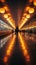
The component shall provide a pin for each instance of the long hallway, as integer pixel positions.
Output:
(18, 32)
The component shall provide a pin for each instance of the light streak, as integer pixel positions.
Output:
(4, 25)
(24, 47)
(25, 28)
(9, 48)
(3, 41)
(26, 16)
(8, 17)
(29, 26)
(23, 21)
(10, 21)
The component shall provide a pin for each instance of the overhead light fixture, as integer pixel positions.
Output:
(27, 8)
(31, 10)
(6, 8)
(28, 16)
(2, 10)
(34, 2)
(5, 15)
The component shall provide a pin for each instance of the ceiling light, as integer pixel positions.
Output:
(31, 10)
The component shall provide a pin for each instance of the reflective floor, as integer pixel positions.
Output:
(17, 56)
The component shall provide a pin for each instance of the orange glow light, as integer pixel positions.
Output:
(24, 14)
(2, 0)
(5, 15)
(9, 48)
(31, 10)
(11, 45)
(34, 2)
(30, 1)
(9, 14)
(11, 22)
(6, 8)
(28, 16)
(5, 59)
(27, 8)
(23, 21)
(23, 46)
(2, 10)
(9, 17)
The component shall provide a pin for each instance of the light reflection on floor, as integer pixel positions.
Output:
(4, 41)
(30, 42)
